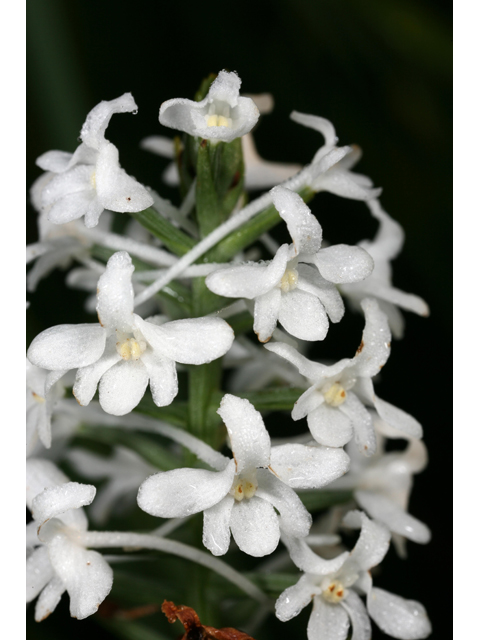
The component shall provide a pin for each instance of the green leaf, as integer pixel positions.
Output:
(276, 399)
(175, 414)
(317, 500)
(241, 322)
(208, 205)
(273, 583)
(173, 238)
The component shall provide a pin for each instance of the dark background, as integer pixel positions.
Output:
(381, 72)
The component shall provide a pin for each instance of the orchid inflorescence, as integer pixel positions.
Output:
(182, 292)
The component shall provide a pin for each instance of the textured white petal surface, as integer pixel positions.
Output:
(303, 467)
(87, 378)
(216, 526)
(294, 599)
(397, 617)
(254, 526)
(362, 424)
(342, 263)
(302, 225)
(322, 125)
(56, 161)
(71, 207)
(303, 316)
(248, 436)
(39, 572)
(249, 280)
(162, 374)
(181, 492)
(346, 185)
(266, 312)
(308, 402)
(398, 418)
(56, 500)
(93, 129)
(361, 627)
(312, 282)
(76, 180)
(190, 341)
(41, 474)
(306, 560)
(294, 518)
(122, 387)
(329, 426)
(393, 516)
(327, 621)
(115, 293)
(374, 349)
(67, 346)
(373, 543)
(307, 368)
(49, 598)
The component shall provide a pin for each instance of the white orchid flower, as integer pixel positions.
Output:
(43, 392)
(91, 179)
(382, 484)
(335, 404)
(299, 296)
(222, 115)
(242, 497)
(335, 585)
(58, 560)
(338, 179)
(386, 246)
(123, 353)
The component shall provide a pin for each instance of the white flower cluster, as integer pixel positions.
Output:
(255, 494)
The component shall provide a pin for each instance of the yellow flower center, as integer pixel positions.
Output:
(244, 487)
(335, 395)
(334, 592)
(131, 349)
(289, 280)
(93, 180)
(216, 119)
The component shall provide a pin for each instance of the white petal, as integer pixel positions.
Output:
(408, 301)
(248, 436)
(308, 402)
(181, 492)
(122, 387)
(327, 621)
(397, 617)
(54, 501)
(343, 263)
(93, 129)
(309, 369)
(303, 467)
(67, 346)
(71, 207)
(306, 560)
(41, 474)
(311, 281)
(86, 575)
(393, 516)
(398, 418)
(76, 180)
(329, 426)
(39, 572)
(189, 341)
(160, 145)
(303, 316)
(115, 293)
(294, 599)
(162, 374)
(294, 518)
(216, 526)
(361, 627)
(56, 161)
(302, 225)
(374, 349)
(373, 543)
(93, 212)
(254, 526)
(344, 184)
(362, 424)
(266, 312)
(87, 378)
(324, 126)
(49, 598)
(249, 280)
(116, 190)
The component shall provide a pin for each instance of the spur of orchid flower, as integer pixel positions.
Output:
(222, 115)
(335, 404)
(243, 496)
(335, 587)
(90, 180)
(300, 296)
(57, 560)
(123, 353)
